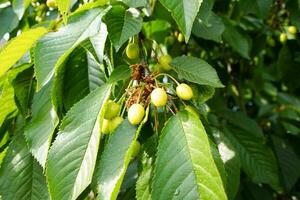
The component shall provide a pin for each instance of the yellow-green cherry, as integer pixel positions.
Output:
(114, 123)
(164, 62)
(51, 3)
(136, 113)
(135, 149)
(184, 91)
(159, 97)
(292, 30)
(132, 51)
(112, 110)
(283, 37)
(105, 126)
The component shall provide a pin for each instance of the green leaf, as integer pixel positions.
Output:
(288, 68)
(21, 177)
(16, 48)
(231, 162)
(196, 70)
(157, 30)
(238, 40)
(7, 100)
(96, 74)
(257, 159)
(20, 6)
(9, 20)
(289, 162)
(242, 121)
(76, 83)
(121, 25)
(120, 73)
(135, 3)
(184, 12)
(53, 49)
(212, 30)
(115, 160)
(293, 8)
(260, 8)
(143, 184)
(82, 74)
(202, 93)
(24, 89)
(42, 124)
(98, 42)
(185, 167)
(205, 10)
(72, 157)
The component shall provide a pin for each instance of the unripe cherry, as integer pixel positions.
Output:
(133, 51)
(114, 123)
(184, 91)
(105, 126)
(164, 62)
(112, 110)
(159, 97)
(136, 113)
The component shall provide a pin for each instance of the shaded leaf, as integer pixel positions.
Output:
(21, 177)
(289, 162)
(184, 13)
(231, 162)
(121, 25)
(236, 39)
(212, 30)
(9, 21)
(39, 130)
(120, 73)
(257, 159)
(7, 100)
(24, 89)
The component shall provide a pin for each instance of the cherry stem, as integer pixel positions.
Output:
(171, 110)
(168, 75)
(173, 104)
(155, 120)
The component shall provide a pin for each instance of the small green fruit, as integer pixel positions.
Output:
(283, 37)
(270, 41)
(133, 51)
(112, 110)
(170, 40)
(159, 97)
(135, 149)
(105, 126)
(292, 30)
(136, 113)
(184, 91)
(115, 122)
(164, 62)
(154, 67)
(51, 3)
(180, 37)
